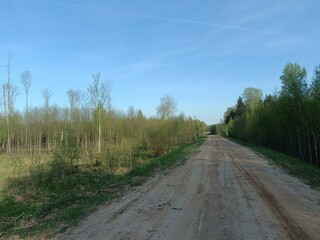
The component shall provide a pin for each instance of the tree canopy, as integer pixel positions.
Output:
(167, 107)
(288, 121)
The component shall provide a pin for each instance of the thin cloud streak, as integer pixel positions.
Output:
(150, 63)
(140, 15)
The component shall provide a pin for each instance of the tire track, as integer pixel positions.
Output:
(288, 223)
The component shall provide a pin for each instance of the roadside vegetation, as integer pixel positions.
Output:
(285, 126)
(287, 121)
(43, 202)
(58, 163)
(303, 170)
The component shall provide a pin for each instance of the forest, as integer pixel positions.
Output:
(91, 121)
(287, 121)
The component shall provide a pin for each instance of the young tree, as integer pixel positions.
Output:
(252, 98)
(74, 97)
(98, 95)
(167, 107)
(26, 81)
(109, 107)
(47, 94)
(9, 93)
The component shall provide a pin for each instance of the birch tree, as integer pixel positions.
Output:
(47, 94)
(99, 93)
(9, 94)
(26, 81)
(167, 107)
(74, 97)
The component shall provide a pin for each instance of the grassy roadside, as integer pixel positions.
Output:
(307, 172)
(54, 206)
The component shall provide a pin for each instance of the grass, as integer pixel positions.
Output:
(305, 171)
(34, 204)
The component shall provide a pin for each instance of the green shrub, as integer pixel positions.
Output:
(65, 155)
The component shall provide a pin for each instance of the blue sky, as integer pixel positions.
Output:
(203, 53)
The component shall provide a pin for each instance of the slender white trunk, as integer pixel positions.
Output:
(99, 133)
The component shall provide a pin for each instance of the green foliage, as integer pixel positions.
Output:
(67, 150)
(65, 155)
(252, 100)
(287, 121)
(294, 84)
(213, 129)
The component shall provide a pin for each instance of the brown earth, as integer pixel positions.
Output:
(224, 192)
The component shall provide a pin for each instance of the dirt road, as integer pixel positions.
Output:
(224, 192)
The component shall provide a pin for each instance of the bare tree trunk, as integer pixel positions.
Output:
(309, 148)
(8, 110)
(99, 130)
(315, 148)
(40, 142)
(6, 113)
(26, 81)
(8, 138)
(27, 123)
(109, 111)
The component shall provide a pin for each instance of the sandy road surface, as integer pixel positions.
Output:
(224, 192)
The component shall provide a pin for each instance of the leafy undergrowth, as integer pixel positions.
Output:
(55, 204)
(307, 172)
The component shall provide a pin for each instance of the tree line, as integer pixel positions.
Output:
(288, 121)
(90, 122)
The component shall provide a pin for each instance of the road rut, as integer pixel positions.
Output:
(224, 192)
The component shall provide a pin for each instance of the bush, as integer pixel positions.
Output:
(65, 155)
